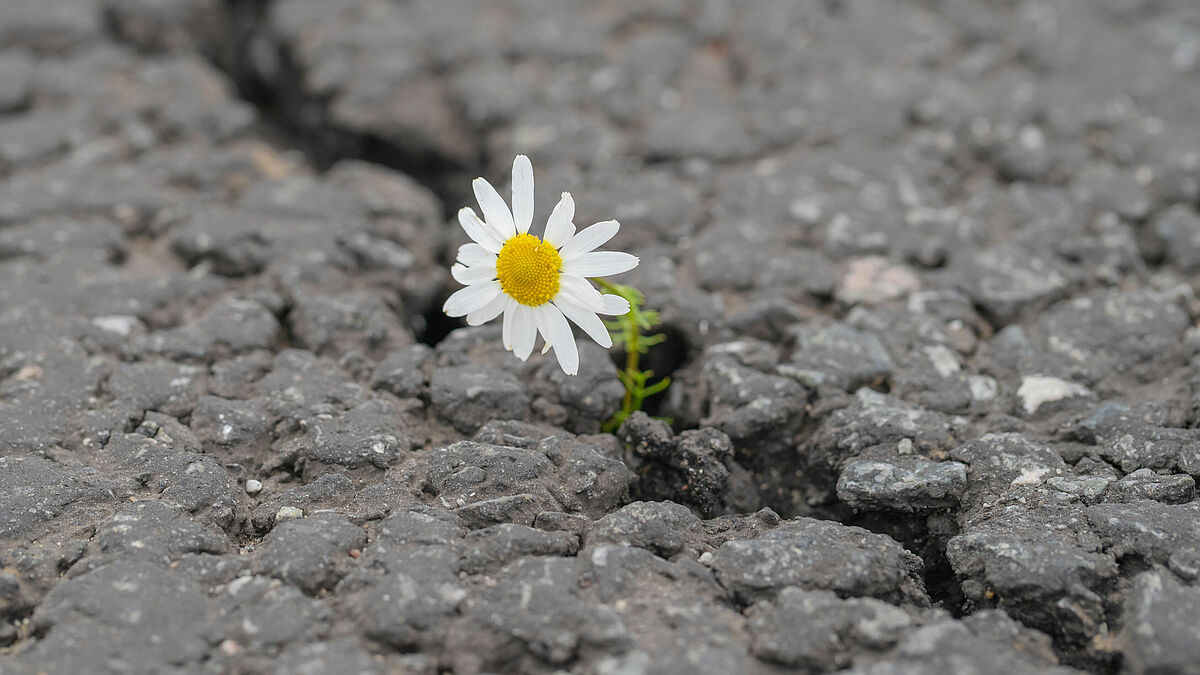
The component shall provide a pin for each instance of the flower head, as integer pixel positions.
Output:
(537, 284)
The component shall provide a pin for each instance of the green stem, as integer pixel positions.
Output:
(631, 349)
(631, 368)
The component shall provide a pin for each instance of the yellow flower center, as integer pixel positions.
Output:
(528, 270)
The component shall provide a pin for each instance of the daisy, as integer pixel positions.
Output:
(537, 284)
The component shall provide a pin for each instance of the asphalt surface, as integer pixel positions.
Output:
(927, 272)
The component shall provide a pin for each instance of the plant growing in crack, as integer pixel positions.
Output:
(537, 285)
(628, 331)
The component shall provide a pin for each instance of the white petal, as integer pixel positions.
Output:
(542, 328)
(559, 228)
(467, 300)
(495, 211)
(522, 193)
(585, 319)
(589, 238)
(506, 334)
(581, 291)
(601, 264)
(473, 254)
(524, 331)
(558, 333)
(614, 305)
(478, 231)
(489, 311)
(476, 274)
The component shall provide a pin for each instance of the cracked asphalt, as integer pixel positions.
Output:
(927, 271)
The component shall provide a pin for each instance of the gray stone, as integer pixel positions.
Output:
(1159, 628)
(590, 480)
(134, 612)
(493, 547)
(1009, 279)
(301, 386)
(231, 327)
(1046, 564)
(237, 431)
(491, 484)
(693, 468)
(663, 528)
(998, 463)
(157, 385)
(403, 372)
(1145, 484)
(197, 483)
(37, 490)
(340, 323)
(838, 355)
(819, 631)
(587, 398)
(369, 434)
(820, 555)
(631, 581)
(45, 238)
(158, 531)
(264, 615)
(421, 525)
(1133, 443)
(988, 643)
(468, 397)
(875, 420)
(328, 491)
(919, 486)
(752, 407)
(311, 553)
(540, 608)
(1150, 532)
(407, 595)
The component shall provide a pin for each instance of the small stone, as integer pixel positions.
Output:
(1087, 488)
(254, 487)
(288, 513)
(1038, 390)
(874, 279)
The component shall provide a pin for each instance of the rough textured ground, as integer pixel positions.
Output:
(927, 270)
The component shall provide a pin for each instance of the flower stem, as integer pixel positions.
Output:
(631, 366)
(627, 331)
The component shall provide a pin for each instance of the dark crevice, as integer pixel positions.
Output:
(663, 359)
(927, 537)
(266, 76)
(435, 325)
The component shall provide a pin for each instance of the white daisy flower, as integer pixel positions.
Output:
(537, 284)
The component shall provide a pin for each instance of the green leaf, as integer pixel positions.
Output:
(657, 387)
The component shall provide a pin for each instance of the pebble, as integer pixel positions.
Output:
(288, 513)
